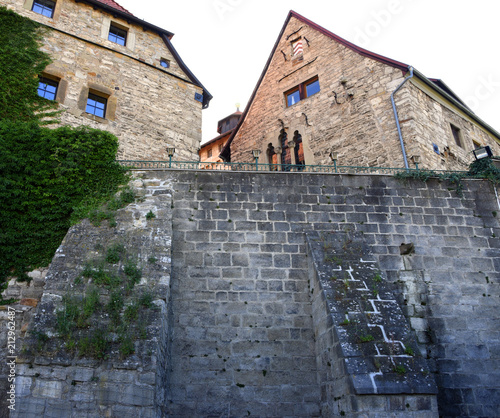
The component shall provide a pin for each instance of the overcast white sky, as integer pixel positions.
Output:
(226, 43)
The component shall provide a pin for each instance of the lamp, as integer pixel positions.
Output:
(482, 152)
(256, 153)
(334, 156)
(170, 153)
(416, 160)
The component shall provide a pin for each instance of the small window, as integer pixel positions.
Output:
(209, 153)
(44, 7)
(47, 88)
(96, 105)
(221, 146)
(302, 91)
(456, 135)
(165, 63)
(117, 35)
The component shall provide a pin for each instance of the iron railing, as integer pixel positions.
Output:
(269, 168)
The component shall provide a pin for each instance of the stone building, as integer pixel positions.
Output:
(209, 152)
(332, 97)
(116, 72)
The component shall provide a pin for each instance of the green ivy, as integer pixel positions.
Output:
(479, 169)
(485, 169)
(49, 179)
(21, 61)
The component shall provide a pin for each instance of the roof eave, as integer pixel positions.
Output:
(206, 94)
(128, 17)
(456, 102)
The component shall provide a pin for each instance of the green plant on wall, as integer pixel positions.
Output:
(51, 178)
(21, 61)
(102, 312)
(479, 169)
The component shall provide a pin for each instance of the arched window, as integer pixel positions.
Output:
(286, 158)
(299, 151)
(272, 158)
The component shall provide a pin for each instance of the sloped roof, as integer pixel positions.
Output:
(115, 9)
(436, 84)
(114, 5)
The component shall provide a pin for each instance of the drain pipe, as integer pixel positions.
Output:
(397, 117)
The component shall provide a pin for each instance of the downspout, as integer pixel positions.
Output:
(397, 117)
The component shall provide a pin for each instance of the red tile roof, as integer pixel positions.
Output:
(114, 5)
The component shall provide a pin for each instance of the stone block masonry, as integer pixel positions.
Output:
(243, 332)
(101, 358)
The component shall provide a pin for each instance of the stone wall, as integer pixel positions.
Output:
(149, 107)
(239, 338)
(106, 365)
(427, 120)
(352, 115)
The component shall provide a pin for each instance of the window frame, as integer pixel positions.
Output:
(48, 82)
(164, 61)
(115, 30)
(102, 99)
(302, 90)
(44, 5)
(456, 133)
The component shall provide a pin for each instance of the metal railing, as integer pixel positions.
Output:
(268, 168)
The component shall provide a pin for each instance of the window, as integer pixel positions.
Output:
(286, 158)
(47, 88)
(302, 91)
(96, 105)
(299, 150)
(44, 7)
(209, 153)
(272, 158)
(221, 146)
(165, 63)
(117, 35)
(456, 135)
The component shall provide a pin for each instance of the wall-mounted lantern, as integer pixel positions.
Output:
(482, 152)
(334, 156)
(256, 154)
(416, 160)
(170, 153)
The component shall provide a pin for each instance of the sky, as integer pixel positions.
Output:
(226, 43)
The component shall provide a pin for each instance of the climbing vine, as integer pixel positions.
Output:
(479, 169)
(21, 61)
(49, 179)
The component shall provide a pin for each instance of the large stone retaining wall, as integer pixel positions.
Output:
(244, 333)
